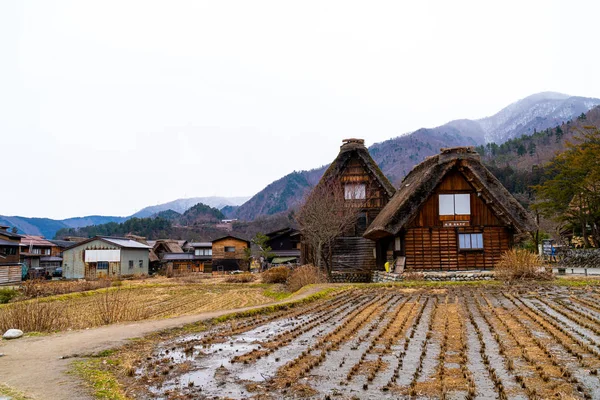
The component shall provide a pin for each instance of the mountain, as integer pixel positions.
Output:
(182, 205)
(397, 156)
(279, 196)
(48, 227)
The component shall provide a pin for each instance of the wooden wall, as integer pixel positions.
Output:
(376, 196)
(219, 253)
(427, 244)
(353, 254)
(429, 214)
(437, 248)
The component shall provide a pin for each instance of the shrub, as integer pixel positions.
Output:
(305, 275)
(34, 316)
(42, 288)
(520, 264)
(276, 275)
(7, 294)
(240, 278)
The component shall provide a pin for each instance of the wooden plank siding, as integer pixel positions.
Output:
(352, 252)
(428, 245)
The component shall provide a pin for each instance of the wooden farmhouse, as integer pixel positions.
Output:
(450, 213)
(366, 188)
(228, 254)
(10, 267)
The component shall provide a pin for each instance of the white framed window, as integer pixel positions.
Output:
(455, 204)
(470, 241)
(355, 191)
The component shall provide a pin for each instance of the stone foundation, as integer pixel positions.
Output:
(381, 276)
(350, 277)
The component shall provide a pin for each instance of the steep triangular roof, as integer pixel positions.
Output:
(420, 183)
(357, 147)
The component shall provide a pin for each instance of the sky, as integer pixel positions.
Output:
(110, 106)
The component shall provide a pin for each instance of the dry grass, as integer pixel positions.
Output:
(520, 264)
(128, 302)
(246, 277)
(276, 275)
(305, 275)
(41, 288)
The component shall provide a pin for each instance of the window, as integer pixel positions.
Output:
(8, 251)
(455, 204)
(470, 241)
(130, 264)
(197, 252)
(102, 265)
(141, 263)
(47, 252)
(355, 191)
(229, 249)
(203, 252)
(36, 251)
(208, 252)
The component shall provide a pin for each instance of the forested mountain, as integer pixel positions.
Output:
(535, 115)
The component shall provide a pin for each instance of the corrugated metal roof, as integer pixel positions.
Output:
(51, 259)
(8, 243)
(62, 243)
(128, 243)
(286, 253)
(200, 244)
(178, 256)
(32, 240)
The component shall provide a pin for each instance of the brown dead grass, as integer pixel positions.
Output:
(520, 264)
(305, 275)
(125, 303)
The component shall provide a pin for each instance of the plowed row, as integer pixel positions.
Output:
(459, 343)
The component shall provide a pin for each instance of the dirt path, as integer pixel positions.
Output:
(34, 364)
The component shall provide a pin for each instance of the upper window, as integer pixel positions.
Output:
(229, 249)
(355, 191)
(470, 241)
(455, 204)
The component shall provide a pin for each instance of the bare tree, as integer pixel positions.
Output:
(327, 213)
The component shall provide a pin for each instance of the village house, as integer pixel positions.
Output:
(366, 188)
(285, 246)
(229, 254)
(10, 267)
(105, 257)
(450, 213)
(40, 256)
(180, 256)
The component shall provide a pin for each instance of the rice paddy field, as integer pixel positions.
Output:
(480, 342)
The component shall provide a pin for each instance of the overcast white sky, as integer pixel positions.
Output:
(110, 106)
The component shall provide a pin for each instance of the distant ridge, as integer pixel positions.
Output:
(48, 227)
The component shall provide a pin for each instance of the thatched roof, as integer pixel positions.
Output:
(420, 183)
(349, 148)
(170, 245)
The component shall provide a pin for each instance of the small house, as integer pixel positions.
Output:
(229, 254)
(105, 257)
(10, 267)
(449, 213)
(285, 246)
(40, 256)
